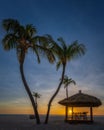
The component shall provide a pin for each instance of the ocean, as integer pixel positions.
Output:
(42, 117)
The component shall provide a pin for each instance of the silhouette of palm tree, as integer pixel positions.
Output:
(22, 38)
(36, 95)
(64, 53)
(67, 81)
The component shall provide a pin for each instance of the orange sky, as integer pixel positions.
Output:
(57, 110)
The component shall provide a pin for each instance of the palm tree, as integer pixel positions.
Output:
(36, 95)
(64, 53)
(67, 81)
(22, 38)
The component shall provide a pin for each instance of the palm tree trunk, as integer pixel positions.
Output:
(29, 94)
(54, 95)
(67, 92)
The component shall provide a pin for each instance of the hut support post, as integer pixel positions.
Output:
(91, 114)
(66, 113)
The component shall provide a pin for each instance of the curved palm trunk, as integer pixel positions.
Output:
(36, 102)
(54, 95)
(67, 92)
(29, 94)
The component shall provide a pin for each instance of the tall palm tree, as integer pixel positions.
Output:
(22, 38)
(64, 53)
(36, 95)
(67, 81)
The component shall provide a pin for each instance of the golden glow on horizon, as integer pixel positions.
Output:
(57, 110)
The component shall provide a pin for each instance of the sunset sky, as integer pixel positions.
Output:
(81, 20)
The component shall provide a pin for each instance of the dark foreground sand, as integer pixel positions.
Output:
(24, 123)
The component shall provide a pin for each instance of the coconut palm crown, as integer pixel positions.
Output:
(66, 52)
(22, 38)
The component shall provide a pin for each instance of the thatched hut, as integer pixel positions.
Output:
(80, 100)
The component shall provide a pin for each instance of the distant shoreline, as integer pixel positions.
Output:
(40, 115)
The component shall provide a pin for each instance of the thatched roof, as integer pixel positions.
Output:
(81, 100)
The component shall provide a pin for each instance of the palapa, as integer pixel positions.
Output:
(81, 100)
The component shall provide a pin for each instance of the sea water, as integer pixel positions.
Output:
(42, 117)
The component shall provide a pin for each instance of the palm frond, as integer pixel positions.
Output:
(37, 95)
(75, 50)
(44, 48)
(51, 57)
(59, 63)
(30, 30)
(67, 81)
(9, 42)
(10, 25)
(70, 81)
(63, 44)
(35, 50)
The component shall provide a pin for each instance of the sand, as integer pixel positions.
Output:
(24, 123)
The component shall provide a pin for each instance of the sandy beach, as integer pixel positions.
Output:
(24, 123)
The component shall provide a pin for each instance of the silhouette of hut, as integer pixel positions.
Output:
(80, 100)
